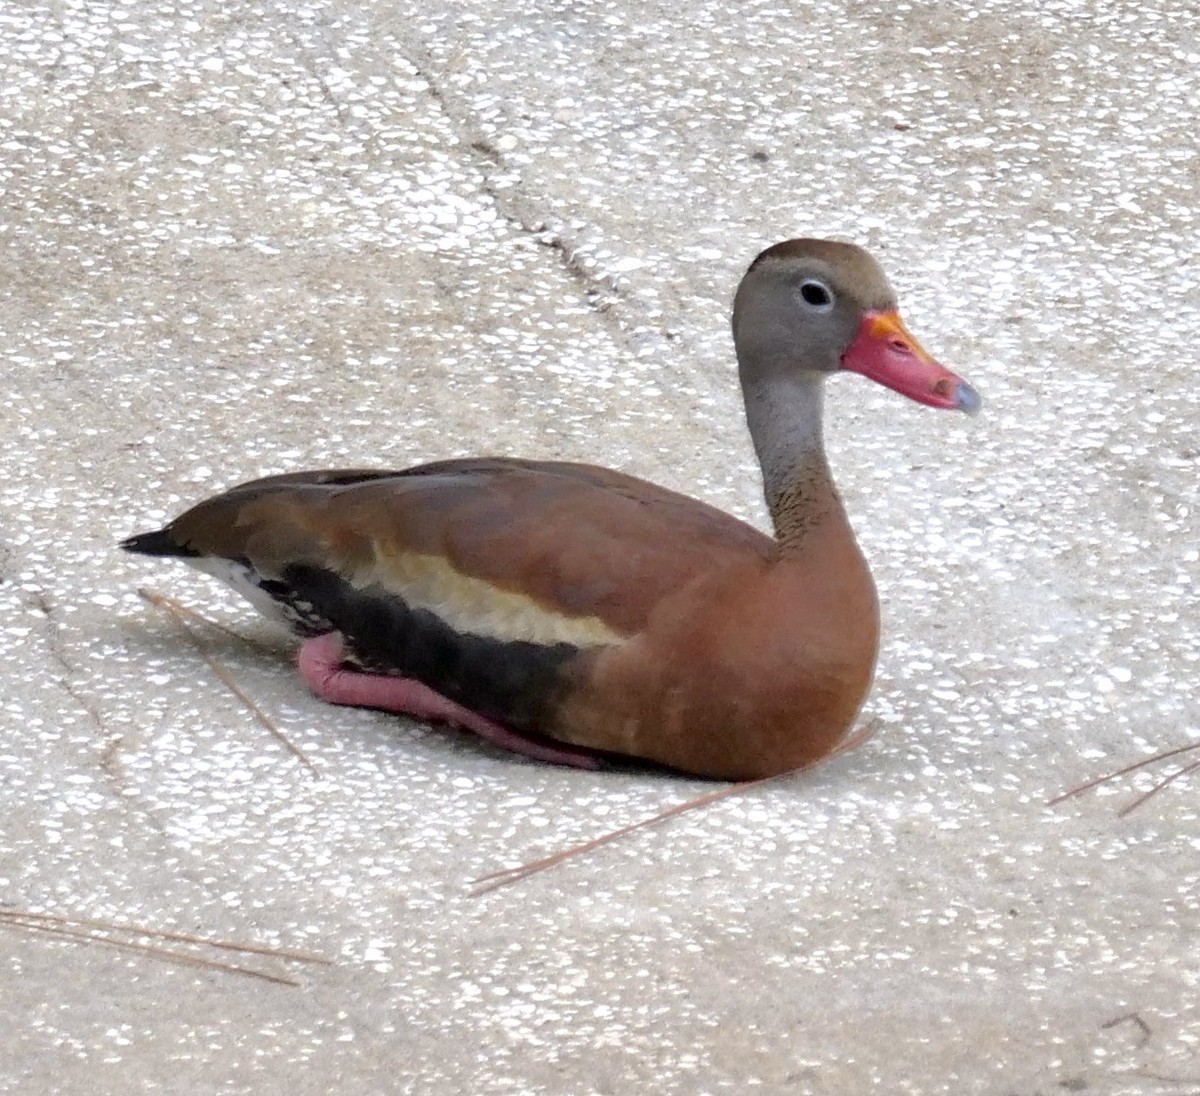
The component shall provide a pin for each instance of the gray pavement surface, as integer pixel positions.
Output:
(245, 238)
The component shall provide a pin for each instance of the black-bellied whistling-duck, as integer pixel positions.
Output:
(558, 609)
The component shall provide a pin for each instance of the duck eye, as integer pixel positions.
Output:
(817, 294)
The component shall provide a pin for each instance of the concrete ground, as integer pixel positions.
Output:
(244, 238)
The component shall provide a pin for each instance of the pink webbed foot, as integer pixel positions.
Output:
(321, 666)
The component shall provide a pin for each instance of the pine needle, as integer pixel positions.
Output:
(1079, 789)
(94, 931)
(1189, 768)
(165, 934)
(495, 880)
(178, 613)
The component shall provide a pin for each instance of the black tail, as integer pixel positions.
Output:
(158, 543)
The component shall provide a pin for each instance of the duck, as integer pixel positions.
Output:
(579, 615)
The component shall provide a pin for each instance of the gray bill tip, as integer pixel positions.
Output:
(967, 399)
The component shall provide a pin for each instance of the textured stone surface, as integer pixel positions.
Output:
(245, 238)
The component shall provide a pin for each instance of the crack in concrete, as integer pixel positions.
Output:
(517, 208)
(303, 49)
(523, 212)
(109, 760)
(8, 564)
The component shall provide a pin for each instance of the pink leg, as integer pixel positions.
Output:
(321, 665)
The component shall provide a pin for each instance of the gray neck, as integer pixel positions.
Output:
(784, 413)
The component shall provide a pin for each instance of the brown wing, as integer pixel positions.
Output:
(578, 541)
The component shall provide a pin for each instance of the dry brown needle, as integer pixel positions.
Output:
(107, 933)
(1079, 789)
(179, 613)
(504, 877)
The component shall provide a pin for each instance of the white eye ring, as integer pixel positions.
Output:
(816, 294)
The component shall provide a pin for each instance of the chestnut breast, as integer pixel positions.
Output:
(749, 670)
